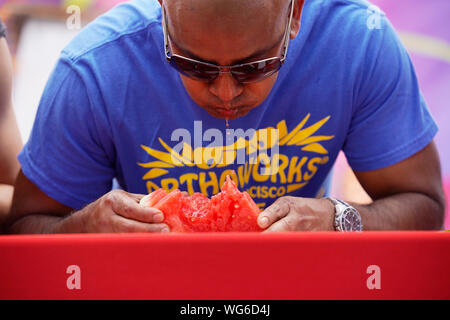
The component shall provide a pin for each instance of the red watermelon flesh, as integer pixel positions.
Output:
(228, 211)
(171, 206)
(197, 214)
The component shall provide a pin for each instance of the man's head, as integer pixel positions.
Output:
(229, 32)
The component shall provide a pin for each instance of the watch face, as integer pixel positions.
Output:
(351, 220)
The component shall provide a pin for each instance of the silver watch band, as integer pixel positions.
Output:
(342, 211)
(337, 201)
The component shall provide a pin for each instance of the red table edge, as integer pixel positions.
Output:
(223, 237)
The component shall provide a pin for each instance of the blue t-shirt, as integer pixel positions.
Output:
(114, 109)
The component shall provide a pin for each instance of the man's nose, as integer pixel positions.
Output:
(226, 87)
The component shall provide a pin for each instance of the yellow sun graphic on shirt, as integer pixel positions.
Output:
(222, 156)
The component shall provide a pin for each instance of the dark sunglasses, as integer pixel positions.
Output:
(244, 73)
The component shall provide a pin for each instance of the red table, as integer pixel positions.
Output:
(369, 265)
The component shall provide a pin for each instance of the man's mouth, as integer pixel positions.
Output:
(230, 113)
(227, 112)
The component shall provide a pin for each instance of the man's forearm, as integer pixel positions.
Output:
(405, 211)
(46, 224)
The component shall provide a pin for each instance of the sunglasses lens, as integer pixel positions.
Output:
(245, 73)
(197, 71)
(252, 72)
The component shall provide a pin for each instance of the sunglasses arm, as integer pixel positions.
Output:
(165, 32)
(287, 33)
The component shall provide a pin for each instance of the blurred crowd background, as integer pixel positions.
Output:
(37, 30)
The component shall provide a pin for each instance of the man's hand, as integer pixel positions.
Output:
(33, 211)
(298, 214)
(406, 196)
(119, 211)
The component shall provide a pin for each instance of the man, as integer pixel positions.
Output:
(143, 93)
(10, 142)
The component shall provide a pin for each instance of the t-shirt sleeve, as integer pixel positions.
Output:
(65, 156)
(390, 120)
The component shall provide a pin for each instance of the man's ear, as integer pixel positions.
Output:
(296, 17)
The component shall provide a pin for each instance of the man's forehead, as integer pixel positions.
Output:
(206, 27)
(227, 14)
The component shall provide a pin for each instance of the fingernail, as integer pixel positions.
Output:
(164, 230)
(263, 222)
(158, 217)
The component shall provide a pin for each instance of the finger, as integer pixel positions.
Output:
(285, 224)
(137, 196)
(121, 224)
(126, 206)
(273, 213)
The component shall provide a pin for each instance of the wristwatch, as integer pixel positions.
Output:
(346, 218)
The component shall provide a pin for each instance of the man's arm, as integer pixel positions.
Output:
(32, 211)
(407, 196)
(10, 141)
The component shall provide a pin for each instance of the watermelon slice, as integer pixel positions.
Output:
(228, 211)
(171, 205)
